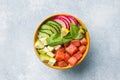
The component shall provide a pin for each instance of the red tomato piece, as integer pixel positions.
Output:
(83, 41)
(59, 55)
(72, 61)
(71, 49)
(82, 49)
(76, 43)
(78, 55)
(62, 64)
(66, 57)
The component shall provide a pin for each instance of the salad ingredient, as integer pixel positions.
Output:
(46, 49)
(76, 43)
(61, 64)
(61, 22)
(52, 61)
(73, 20)
(44, 57)
(78, 55)
(39, 44)
(55, 23)
(66, 57)
(83, 41)
(48, 27)
(43, 40)
(47, 31)
(71, 49)
(41, 51)
(64, 31)
(50, 48)
(59, 55)
(72, 61)
(82, 49)
(43, 35)
(57, 47)
(50, 54)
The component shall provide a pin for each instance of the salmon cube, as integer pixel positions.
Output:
(71, 49)
(62, 64)
(59, 55)
(72, 61)
(66, 57)
(76, 43)
(83, 41)
(82, 49)
(78, 55)
(66, 45)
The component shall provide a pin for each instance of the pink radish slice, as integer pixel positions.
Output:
(64, 17)
(73, 20)
(62, 21)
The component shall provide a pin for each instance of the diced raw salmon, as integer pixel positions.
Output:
(62, 64)
(78, 55)
(72, 61)
(71, 49)
(76, 43)
(82, 49)
(83, 41)
(66, 45)
(66, 57)
(59, 55)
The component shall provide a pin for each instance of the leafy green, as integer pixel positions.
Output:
(57, 39)
(74, 30)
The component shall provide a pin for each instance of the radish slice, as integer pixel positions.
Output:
(73, 20)
(62, 21)
(65, 17)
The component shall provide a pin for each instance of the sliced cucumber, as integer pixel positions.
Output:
(55, 23)
(47, 31)
(48, 27)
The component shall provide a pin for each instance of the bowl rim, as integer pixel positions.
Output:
(87, 37)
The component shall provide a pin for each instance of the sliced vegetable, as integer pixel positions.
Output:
(73, 20)
(64, 31)
(50, 54)
(41, 51)
(43, 40)
(39, 44)
(44, 57)
(52, 61)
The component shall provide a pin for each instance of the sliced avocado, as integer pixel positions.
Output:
(47, 31)
(55, 26)
(44, 57)
(43, 40)
(43, 34)
(39, 44)
(52, 61)
(48, 27)
(55, 23)
(41, 51)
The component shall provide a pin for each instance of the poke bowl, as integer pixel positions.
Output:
(61, 41)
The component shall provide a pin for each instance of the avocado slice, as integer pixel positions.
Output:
(39, 44)
(43, 35)
(44, 57)
(46, 31)
(48, 27)
(41, 51)
(55, 23)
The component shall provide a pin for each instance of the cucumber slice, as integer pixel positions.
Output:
(47, 31)
(55, 23)
(48, 27)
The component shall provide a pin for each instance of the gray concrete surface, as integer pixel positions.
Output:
(18, 21)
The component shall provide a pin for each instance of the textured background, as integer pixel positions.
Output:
(18, 21)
